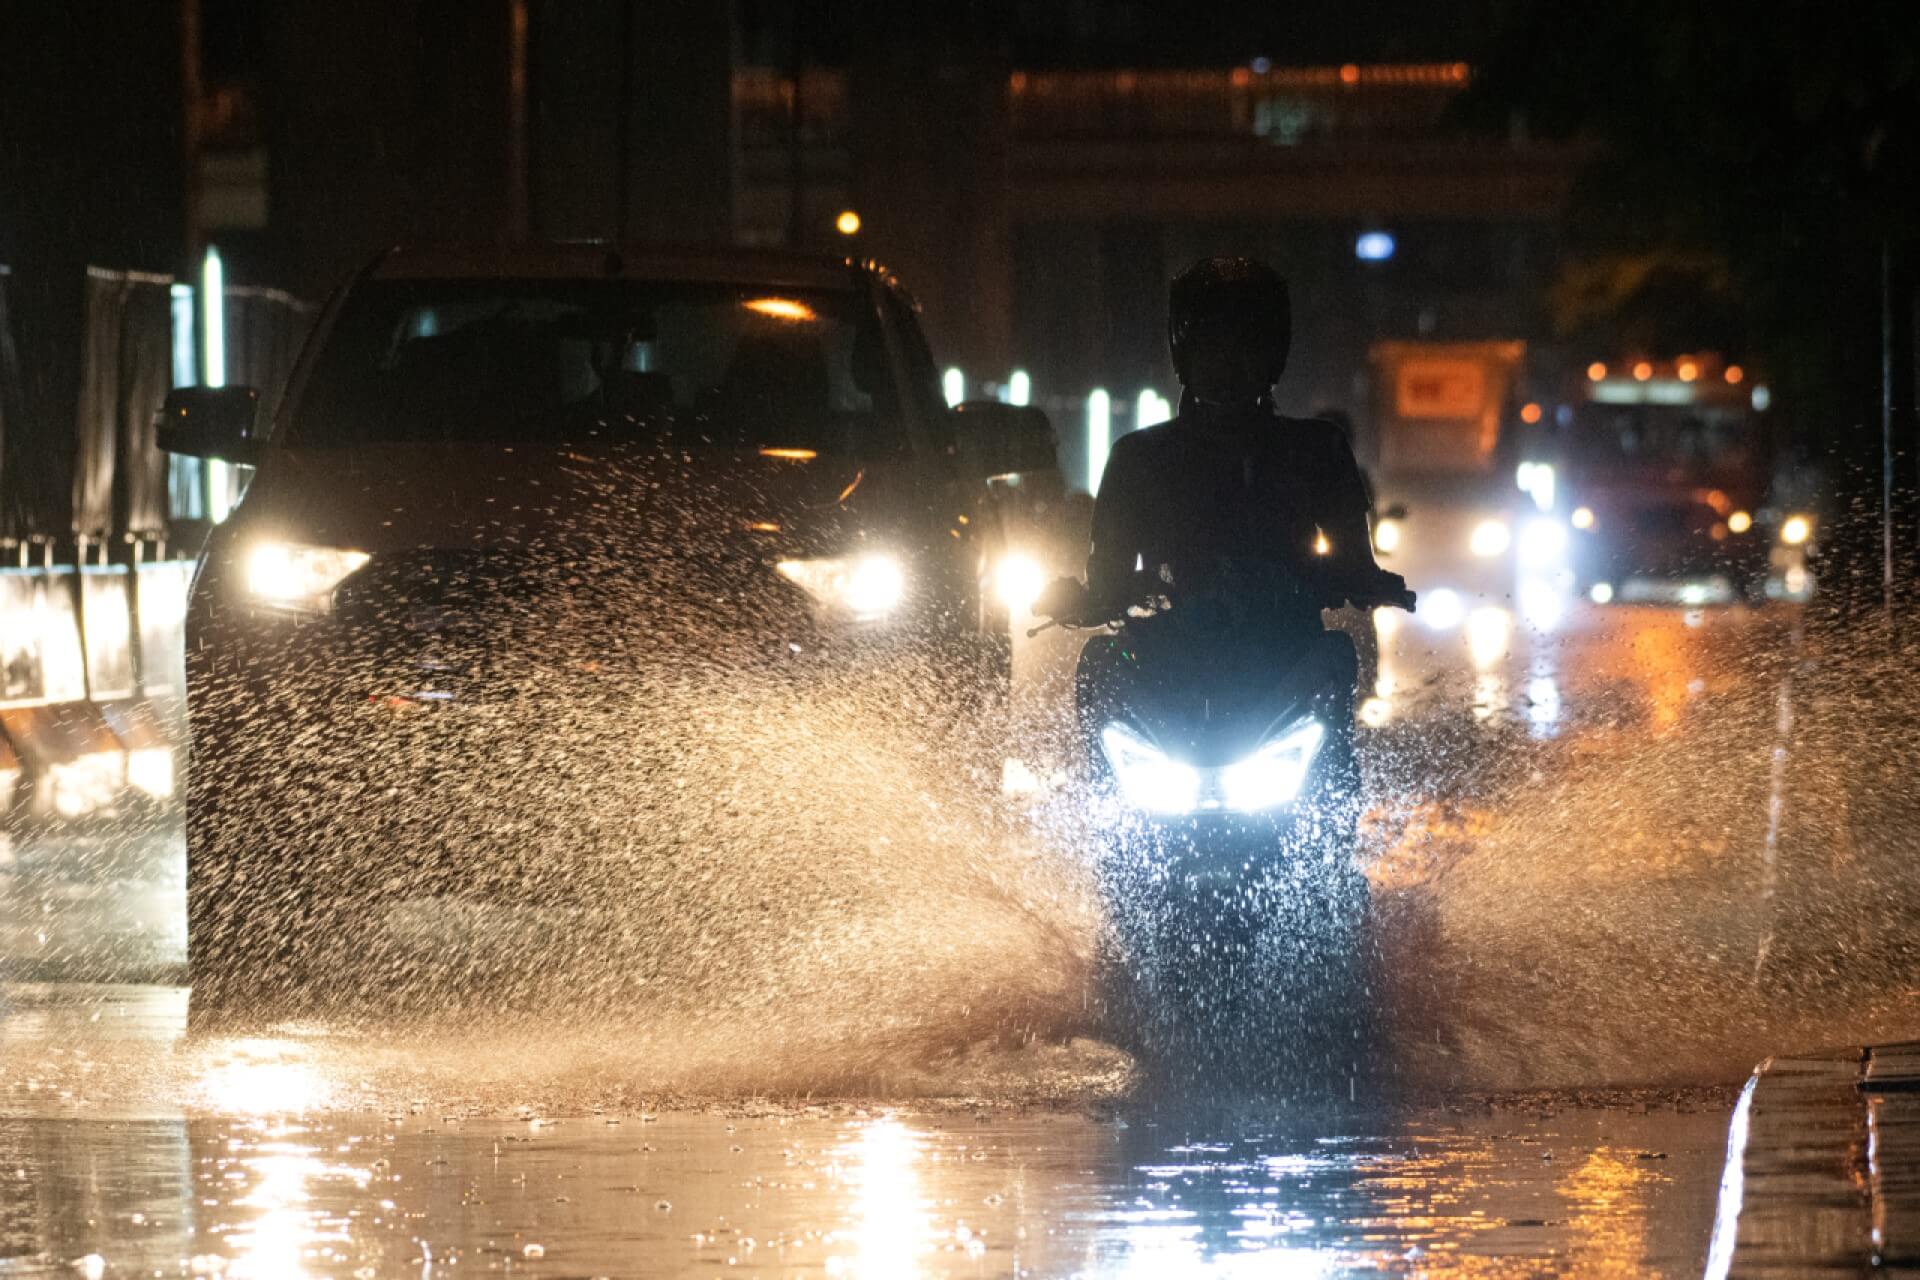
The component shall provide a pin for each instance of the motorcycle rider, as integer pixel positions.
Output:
(1228, 499)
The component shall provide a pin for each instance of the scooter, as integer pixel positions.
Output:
(1217, 740)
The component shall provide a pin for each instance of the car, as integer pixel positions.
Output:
(521, 517)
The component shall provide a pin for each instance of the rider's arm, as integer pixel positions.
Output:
(1117, 515)
(1344, 506)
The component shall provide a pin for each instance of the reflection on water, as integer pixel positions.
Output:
(890, 1224)
(415, 1186)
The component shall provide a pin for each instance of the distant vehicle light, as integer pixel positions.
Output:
(1642, 371)
(1536, 480)
(1596, 371)
(848, 223)
(1583, 517)
(1442, 609)
(1601, 593)
(296, 577)
(1490, 538)
(1740, 521)
(1321, 546)
(1374, 246)
(953, 385)
(1688, 371)
(1019, 388)
(866, 587)
(790, 309)
(1018, 581)
(1734, 374)
(1795, 530)
(1762, 399)
(1530, 413)
(1543, 542)
(1386, 537)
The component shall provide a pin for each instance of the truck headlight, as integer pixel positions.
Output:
(1148, 777)
(864, 587)
(1490, 538)
(1273, 775)
(296, 577)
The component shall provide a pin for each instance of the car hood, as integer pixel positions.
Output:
(404, 497)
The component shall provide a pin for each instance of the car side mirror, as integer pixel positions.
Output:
(1398, 511)
(1004, 439)
(211, 422)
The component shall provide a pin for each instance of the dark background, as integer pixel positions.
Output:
(1597, 178)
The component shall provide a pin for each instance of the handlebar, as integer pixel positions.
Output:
(1383, 590)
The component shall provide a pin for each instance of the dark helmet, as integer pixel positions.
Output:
(1229, 294)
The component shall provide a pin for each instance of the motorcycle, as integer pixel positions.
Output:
(1217, 739)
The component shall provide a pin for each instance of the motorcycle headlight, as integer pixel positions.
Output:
(1148, 777)
(864, 587)
(296, 577)
(1273, 775)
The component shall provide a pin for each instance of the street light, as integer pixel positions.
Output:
(848, 223)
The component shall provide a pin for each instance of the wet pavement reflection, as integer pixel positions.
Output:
(145, 1153)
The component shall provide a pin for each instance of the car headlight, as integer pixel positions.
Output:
(1490, 538)
(1386, 537)
(1795, 530)
(864, 587)
(1147, 776)
(297, 577)
(1018, 581)
(1273, 775)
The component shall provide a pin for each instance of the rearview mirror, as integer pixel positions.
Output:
(211, 422)
(1004, 439)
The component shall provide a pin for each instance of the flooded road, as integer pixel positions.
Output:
(128, 1149)
(1615, 862)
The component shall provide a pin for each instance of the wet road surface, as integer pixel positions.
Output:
(1588, 848)
(129, 1150)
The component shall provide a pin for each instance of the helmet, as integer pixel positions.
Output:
(1240, 294)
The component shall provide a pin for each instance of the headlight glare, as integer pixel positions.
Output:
(866, 587)
(1018, 581)
(1795, 530)
(1490, 538)
(297, 577)
(1386, 537)
(1273, 775)
(1147, 776)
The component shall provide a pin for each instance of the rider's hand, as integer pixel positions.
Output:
(1063, 599)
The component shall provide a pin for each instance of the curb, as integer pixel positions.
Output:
(1823, 1168)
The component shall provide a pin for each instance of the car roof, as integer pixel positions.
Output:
(606, 261)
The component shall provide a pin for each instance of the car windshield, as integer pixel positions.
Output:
(1685, 444)
(529, 361)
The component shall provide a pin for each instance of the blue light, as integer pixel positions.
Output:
(1373, 246)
